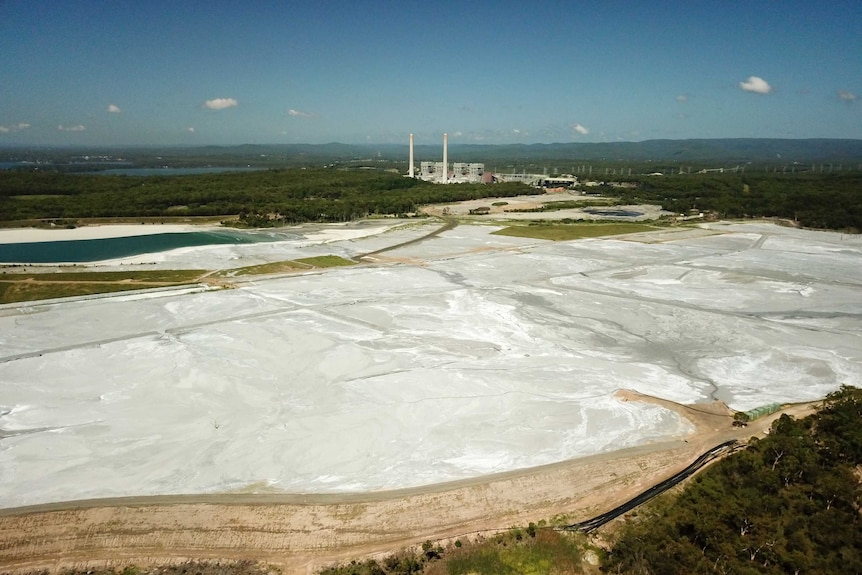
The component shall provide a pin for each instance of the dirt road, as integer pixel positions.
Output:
(303, 533)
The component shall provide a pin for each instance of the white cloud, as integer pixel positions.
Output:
(682, 98)
(190, 130)
(458, 134)
(14, 128)
(78, 128)
(847, 96)
(516, 131)
(756, 84)
(221, 103)
(301, 114)
(580, 129)
(113, 108)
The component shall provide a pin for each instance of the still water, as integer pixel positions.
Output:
(112, 248)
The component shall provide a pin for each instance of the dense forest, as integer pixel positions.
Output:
(788, 503)
(830, 201)
(261, 198)
(277, 197)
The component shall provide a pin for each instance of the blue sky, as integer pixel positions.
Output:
(194, 73)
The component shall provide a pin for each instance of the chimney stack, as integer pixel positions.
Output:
(410, 173)
(445, 157)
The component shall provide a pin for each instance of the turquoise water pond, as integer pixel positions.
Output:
(111, 248)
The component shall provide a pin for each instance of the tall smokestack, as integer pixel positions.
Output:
(445, 157)
(411, 156)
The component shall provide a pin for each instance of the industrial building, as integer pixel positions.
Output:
(462, 172)
(441, 173)
(539, 180)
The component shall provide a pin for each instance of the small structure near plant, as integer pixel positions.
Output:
(741, 418)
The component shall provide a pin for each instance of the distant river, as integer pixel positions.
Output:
(112, 248)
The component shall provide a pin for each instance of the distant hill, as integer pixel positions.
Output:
(722, 150)
(712, 151)
(726, 150)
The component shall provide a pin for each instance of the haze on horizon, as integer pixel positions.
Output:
(84, 72)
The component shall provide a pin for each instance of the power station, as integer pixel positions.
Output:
(440, 173)
(461, 172)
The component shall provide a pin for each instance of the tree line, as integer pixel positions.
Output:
(827, 201)
(262, 198)
(286, 196)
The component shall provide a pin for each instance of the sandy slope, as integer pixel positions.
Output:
(301, 534)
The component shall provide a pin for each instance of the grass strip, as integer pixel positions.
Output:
(16, 292)
(268, 268)
(144, 276)
(329, 261)
(21, 287)
(565, 232)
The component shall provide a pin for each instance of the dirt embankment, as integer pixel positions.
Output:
(301, 534)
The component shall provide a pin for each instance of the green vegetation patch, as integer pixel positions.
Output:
(564, 232)
(813, 200)
(35, 197)
(553, 206)
(14, 292)
(144, 276)
(4, 288)
(27, 286)
(529, 551)
(546, 553)
(270, 268)
(271, 198)
(16, 287)
(326, 261)
(262, 198)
